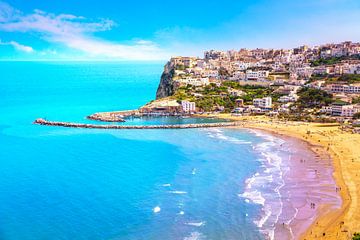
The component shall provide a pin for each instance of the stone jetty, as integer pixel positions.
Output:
(42, 121)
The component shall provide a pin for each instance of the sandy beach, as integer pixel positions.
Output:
(342, 147)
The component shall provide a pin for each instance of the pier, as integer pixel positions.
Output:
(41, 121)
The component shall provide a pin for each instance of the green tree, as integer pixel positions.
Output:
(356, 100)
(356, 236)
(350, 78)
(312, 98)
(356, 115)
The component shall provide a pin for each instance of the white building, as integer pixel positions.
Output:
(239, 75)
(344, 110)
(194, 81)
(265, 102)
(344, 88)
(351, 69)
(321, 70)
(326, 109)
(286, 99)
(304, 71)
(256, 75)
(210, 73)
(188, 107)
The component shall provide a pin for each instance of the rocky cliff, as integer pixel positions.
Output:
(166, 85)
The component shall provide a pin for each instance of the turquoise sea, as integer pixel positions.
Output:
(61, 183)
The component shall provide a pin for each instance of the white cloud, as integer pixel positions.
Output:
(76, 32)
(18, 46)
(21, 47)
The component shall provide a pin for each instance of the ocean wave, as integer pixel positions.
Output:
(253, 196)
(265, 217)
(166, 185)
(177, 192)
(264, 186)
(194, 236)
(196, 224)
(216, 133)
(156, 209)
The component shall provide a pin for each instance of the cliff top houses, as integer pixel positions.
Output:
(284, 71)
(262, 64)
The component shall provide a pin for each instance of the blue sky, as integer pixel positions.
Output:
(156, 30)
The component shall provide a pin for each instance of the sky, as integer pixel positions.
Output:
(156, 30)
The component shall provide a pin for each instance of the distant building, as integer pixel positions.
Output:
(188, 107)
(256, 75)
(344, 110)
(193, 81)
(344, 88)
(265, 102)
(285, 99)
(188, 62)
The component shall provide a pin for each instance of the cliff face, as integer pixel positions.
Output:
(166, 85)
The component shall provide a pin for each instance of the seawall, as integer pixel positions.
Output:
(41, 121)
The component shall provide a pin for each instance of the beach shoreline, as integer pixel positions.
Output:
(329, 139)
(342, 148)
(298, 171)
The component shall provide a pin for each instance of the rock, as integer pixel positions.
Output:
(166, 85)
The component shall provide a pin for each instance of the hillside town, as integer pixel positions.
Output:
(321, 82)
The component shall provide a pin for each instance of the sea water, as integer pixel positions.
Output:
(63, 183)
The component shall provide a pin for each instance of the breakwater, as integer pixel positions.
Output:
(41, 121)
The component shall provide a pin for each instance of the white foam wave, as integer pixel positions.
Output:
(263, 187)
(156, 209)
(194, 236)
(253, 196)
(196, 224)
(265, 217)
(220, 135)
(166, 185)
(178, 192)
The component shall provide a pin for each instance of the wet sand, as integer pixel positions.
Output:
(309, 191)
